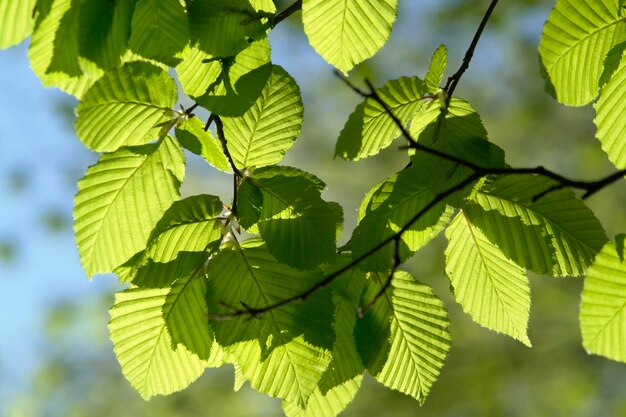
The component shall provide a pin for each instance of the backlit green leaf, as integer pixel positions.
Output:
(285, 351)
(404, 339)
(610, 119)
(489, 286)
(437, 68)
(370, 129)
(159, 30)
(185, 314)
(392, 208)
(143, 346)
(194, 138)
(121, 199)
(298, 226)
(603, 308)
(347, 32)
(104, 31)
(124, 107)
(263, 134)
(16, 21)
(222, 28)
(557, 235)
(575, 41)
(45, 44)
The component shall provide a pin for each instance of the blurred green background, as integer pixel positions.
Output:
(55, 356)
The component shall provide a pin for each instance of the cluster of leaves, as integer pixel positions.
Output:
(259, 282)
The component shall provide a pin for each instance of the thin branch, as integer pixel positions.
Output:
(219, 128)
(454, 79)
(396, 264)
(297, 5)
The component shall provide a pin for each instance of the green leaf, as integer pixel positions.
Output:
(66, 57)
(153, 274)
(143, 346)
(370, 129)
(490, 287)
(557, 235)
(104, 31)
(189, 225)
(404, 339)
(285, 351)
(610, 109)
(298, 226)
(16, 21)
(436, 70)
(395, 203)
(194, 138)
(121, 199)
(46, 42)
(228, 86)
(124, 107)
(460, 133)
(575, 41)
(347, 32)
(185, 314)
(603, 308)
(249, 203)
(222, 28)
(264, 133)
(159, 30)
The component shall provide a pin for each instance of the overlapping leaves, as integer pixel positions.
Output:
(121, 199)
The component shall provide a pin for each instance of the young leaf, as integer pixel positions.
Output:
(370, 129)
(124, 107)
(610, 109)
(490, 287)
(297, 225)
(347, 32)
(143, 346)
(185, 314)
(436, 70)
(159, 30)
(576, 38)
(16, 21)
(603, 308)
(194, 138)
(392, 207)
(121, 199)
(285, 351)
(264, 133)
(557, 235)
(104, 31)
(404, 339)
(222, 28)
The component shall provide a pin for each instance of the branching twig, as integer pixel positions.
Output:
(297, 5)
(478, 172)
(453, 81)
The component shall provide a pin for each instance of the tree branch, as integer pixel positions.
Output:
(219, 128)
(297, 5)
(454, 79)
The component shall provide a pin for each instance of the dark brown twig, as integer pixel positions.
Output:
(297, 5)
(453, 81)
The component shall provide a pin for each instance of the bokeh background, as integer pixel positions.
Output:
(55, 355)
